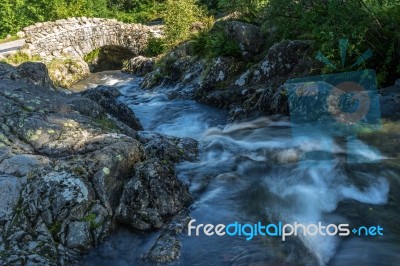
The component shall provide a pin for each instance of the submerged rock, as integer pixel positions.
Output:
(167, 246)
(390, 102)
(166, 249)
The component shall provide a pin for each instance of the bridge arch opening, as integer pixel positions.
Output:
(109, 57)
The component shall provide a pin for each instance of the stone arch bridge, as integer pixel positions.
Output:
(76, 37)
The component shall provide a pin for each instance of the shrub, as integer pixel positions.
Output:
(215, 42)
(155, 47)
(179, 17)
(250, 9)
(65, 72)
(364, 23)
(16, 14)
(21, 57)
(92, 56)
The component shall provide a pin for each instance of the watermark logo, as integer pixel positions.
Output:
(343, 47)
(340, 104)
(281, 230)
(347, 101)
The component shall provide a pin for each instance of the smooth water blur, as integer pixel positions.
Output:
(107, 78)
(259, 171)
(181, 118)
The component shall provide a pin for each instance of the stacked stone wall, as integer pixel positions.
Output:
(75, 37)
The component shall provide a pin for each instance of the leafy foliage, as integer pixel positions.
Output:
(179, 17)
(367, 24)
(215, 42)
(155, 47)
(20, 57)
(16, 14)
(250, 9)
(92, 56)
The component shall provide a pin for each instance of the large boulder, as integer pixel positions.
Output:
(249, 37)
(10, 190)
(168, 148)
(65, 72)
(33, 73)
(63, 170)
(106, 97)
(218, 73)
(75, 170)
(140, 65)
(284, 60)
(390, 102)
(152, 196)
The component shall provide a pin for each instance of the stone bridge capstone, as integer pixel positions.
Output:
(76, 37)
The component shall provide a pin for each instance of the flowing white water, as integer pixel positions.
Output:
(258, 171)
(304, 190)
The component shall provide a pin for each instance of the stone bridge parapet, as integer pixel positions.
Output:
(76, 37)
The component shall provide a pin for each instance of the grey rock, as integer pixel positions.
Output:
(152, 196)
(106, 97)
(140, 65)
(34, 73)
(23, 164)
(5, 69)
(78, 235)
(223, 98)
(86, 107)
(177, 66)
(285, 60)
(36, 260)
(271, 101)
(10, 190)
(63, 172)
(168, 148)
(220, 71)
(166, 249)
(167, 246)
(247, 36)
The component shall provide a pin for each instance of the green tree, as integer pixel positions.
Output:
(367, 24)
(7, 18)
(178, 18)
(250, 9)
